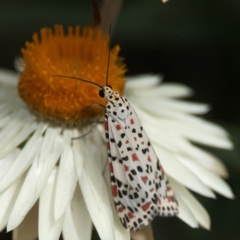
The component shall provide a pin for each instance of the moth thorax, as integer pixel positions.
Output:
(108, 93)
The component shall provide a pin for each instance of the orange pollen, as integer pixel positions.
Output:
(82, 54)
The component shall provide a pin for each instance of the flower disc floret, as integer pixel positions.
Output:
(81, 53)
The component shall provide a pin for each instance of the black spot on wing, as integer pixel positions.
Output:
(139, 168)
(122, 135)
(119, 144)
(133, 171)
(140, 135)
(145, 150)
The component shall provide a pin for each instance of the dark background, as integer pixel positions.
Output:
(192, 42)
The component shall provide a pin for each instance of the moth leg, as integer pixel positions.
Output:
(95, 104)
(84, 135)
(98, 104)
(89, 131)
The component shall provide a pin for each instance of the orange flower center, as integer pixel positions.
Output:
(82, 54)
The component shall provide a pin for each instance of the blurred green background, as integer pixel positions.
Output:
(193, 42)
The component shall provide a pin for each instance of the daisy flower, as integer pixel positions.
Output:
(53, 182)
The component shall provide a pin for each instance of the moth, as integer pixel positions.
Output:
(140, 187)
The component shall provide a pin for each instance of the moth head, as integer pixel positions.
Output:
(105, 91)
(101, 93)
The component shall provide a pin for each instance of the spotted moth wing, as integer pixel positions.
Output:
(140, 188)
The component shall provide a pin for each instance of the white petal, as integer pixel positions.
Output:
(25, 158)
(174, 90)
(6, 108)
(19, 137)
(7, 161)
(97, 202)
(5, 120)
(77, 223)
(143, 81)
(163, 138)
(180, 173)
(66, 180)
(7, 200)
(181, 146)
(191, 202)
(185, 214)
(206, 159)
(208, 178)
(28, 229)
(49, 229)
(9, 77)
(78, 156)
(176, 117)
(160, 105)
(51, 150)
(27, 197)
(193, 128)
(11, 129)
(94, 189)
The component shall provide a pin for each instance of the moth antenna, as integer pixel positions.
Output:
(108, 62)
(80, 79)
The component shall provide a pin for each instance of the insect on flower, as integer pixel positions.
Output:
(140, 188)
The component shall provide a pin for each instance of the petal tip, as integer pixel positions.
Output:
(9, 228)
(206, 226)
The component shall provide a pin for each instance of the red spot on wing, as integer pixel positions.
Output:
(130, 215)
(169, 199)
(106, 125)
(127, 142)
(144, 179)
(118, 127)
(126, 168)
(134, 157)
(114, 190)
(131, 121)
(121, 209)
(169, 189)
(146, 206)
(111, 167)
(130, 188)
(149, 159)
(108, 146)
(135, 138)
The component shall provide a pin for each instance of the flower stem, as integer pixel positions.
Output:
(109, 14)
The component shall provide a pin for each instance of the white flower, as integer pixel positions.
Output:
(33, 173)
(172, 127)
(46, 175)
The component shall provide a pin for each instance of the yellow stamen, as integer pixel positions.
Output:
(80, 54)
